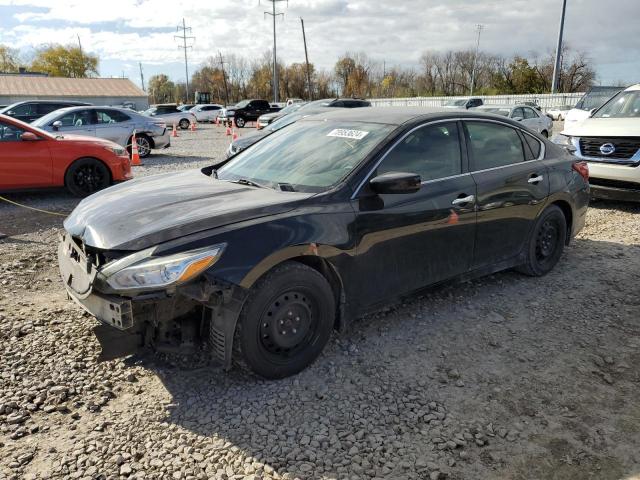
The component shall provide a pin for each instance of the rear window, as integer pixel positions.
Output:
(494, 145)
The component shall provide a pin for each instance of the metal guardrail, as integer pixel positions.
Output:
(545, 100)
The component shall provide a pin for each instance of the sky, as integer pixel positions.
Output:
(125, 32)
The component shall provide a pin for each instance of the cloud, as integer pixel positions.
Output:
(396, 32)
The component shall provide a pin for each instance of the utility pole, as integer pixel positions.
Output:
(224, 78)
(142, 77)
(275, 58)
(475, 58)
(306, 59)
(184, 37)
(556, 65)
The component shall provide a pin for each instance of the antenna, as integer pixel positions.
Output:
(275, 61)
(184, 37)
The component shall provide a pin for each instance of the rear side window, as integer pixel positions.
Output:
(211, 107)
(493, 145)
(534, 145)
(432, 151)
(529, 113)
(260, 105)
(24, 109)
(111, 116)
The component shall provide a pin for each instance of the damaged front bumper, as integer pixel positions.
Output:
(175, 319)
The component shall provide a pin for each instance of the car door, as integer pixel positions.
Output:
(512, 187)
(113, 125)
(23, 164)
(408, 241)
(77, 122)
(531, 119)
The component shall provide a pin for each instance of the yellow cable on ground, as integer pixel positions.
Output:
(33, 208)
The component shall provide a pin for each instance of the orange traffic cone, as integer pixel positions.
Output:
(135, 155)
(193, 126)
(174, 133)
(228, 131)
(257, 125)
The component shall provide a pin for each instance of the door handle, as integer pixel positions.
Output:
(463, 200)
(537, 179)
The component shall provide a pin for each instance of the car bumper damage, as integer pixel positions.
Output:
(184, 319)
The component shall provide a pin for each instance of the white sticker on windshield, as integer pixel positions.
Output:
(345, 133)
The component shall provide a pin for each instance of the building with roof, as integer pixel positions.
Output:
(97, 91)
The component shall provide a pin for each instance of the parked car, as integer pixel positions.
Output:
(111, 123)
(207, 112)
(32, 158)
(590, 101)
(247, 111)
(464, 103)
(264, 255)
(33, 109)
(267, 118)
(532, 105)
(170, 114)
(558, 113)
(529, 116)
(610, 142)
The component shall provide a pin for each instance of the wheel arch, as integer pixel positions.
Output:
(567, 211)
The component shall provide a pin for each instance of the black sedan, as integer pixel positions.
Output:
(263, 257)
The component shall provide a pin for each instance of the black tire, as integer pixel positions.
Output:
(286, 321)
(144, 146)
(545, 134)
(86, 176)
(546, 243)
(184, 124)
(240, 122)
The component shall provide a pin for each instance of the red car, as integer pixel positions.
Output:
(32, 158)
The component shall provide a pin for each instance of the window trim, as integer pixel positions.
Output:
(462, 144)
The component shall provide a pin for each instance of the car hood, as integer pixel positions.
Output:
(604, 127)
(145, 212)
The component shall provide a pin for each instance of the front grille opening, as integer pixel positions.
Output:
(625, 147)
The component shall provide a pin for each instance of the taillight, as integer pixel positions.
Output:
(583, 169)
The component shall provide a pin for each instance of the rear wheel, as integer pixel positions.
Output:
(240, 122)
(86, 176)
(144, 146)
(286, 321)
(546, 243)
(184, 124)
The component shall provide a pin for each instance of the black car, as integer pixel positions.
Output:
(320, 222)
(247, 111)
(34, 109)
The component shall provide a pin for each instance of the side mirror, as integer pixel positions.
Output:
(592, 111)
(395, 182)
(29, 137)
(518, 119)
(56, 125)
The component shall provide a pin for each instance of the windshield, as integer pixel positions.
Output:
(149, 111)
(291, 108)
(310, 156)
(241, 104)
(623, 105)
(456, 103)
(497, 111)
(595, 99)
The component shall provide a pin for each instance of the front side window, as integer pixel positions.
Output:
(432, 151)
(79, 118)
(10, 133)
(493, 145)
(309, 156)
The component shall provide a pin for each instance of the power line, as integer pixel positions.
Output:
(184, 37)
(556, 65)
(479, 27)
(306, 58)
(275, 61)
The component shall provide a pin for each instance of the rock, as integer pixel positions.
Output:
(125, 469)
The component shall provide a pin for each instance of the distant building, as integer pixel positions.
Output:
(17, 87)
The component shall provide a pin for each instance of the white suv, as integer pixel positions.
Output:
(207, 112)
(609, 140)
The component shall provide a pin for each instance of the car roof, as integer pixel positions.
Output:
(394, 115)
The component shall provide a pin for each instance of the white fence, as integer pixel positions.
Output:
(545, 100)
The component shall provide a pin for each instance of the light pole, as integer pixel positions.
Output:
(475, 58)
(275, 61)
(556, 66)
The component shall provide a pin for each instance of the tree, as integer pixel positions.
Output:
(61, 61)
(9, 62)
(161, 89)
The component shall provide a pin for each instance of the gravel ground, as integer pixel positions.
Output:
(506, 377)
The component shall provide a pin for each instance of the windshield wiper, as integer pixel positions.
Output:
(244, 181)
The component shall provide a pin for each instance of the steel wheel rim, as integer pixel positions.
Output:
(547, 241)
(88, 178)
(288, 324)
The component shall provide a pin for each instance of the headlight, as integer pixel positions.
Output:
(565, 141)
(119, 151)
(158, 272)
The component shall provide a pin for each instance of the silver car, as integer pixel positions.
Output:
(530, 117)
(111, 123)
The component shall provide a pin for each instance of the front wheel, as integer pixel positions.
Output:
(184, 124)
(86, 176)
(546, 243)
(240, 122)
(286, 321)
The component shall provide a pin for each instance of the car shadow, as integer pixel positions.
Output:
(375, 387)
(51, 208)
